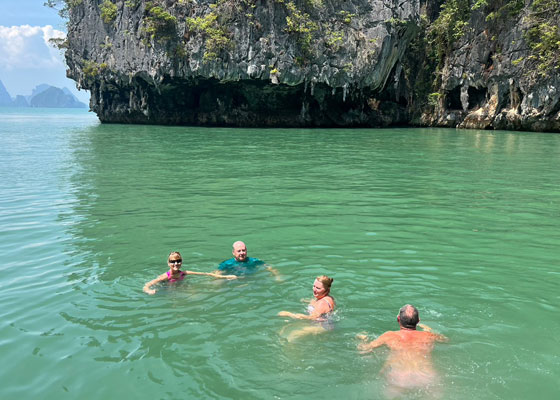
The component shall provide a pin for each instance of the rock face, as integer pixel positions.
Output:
(305, 63)
(493, 80)
(241, 63)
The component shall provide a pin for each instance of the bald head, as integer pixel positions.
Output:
(408, 316)
(239, 251)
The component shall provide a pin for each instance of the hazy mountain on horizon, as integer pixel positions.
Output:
(55, 98)
(38, 89)
(43, 95)
(20, 101)
(5, 98)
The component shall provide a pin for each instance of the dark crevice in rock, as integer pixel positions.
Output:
(477, 97)
(515, 98)
(454, 99)
(243, 103)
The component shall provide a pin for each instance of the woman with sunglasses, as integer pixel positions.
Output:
(175, 274)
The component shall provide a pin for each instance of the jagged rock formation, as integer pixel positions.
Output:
(495, 77)
(245, 63)
(306, 63)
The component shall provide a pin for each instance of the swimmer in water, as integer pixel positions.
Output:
(408, 366)
(242, 264)
(319, 309)
(175, 274)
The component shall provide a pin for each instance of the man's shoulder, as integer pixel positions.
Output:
(227, 262)
(423, 337)
(254, 261)
(395, 337)
(390, 335)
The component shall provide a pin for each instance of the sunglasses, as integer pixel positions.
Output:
(179, 261)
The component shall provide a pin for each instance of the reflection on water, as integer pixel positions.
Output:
(463, 224)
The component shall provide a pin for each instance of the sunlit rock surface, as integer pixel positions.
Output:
(299, 63)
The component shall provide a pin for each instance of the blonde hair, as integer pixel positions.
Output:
(326, 281)
(174, 253)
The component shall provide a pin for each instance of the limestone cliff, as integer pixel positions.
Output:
(502, 70)
(240, 63)
(306, 63)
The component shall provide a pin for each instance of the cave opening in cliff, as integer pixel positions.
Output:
(477, 97)
(453, 99)
(402, 101)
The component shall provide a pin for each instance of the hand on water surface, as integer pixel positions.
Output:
(230, 277)
(362, 336)
(151, 291)
(284, 314)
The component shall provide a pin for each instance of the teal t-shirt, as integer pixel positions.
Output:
(232, 266)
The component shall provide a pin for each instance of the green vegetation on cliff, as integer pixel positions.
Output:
(215, 36)
(543, 36)
(91, 69)
(499, 9)
(63, 6)
(300, 24)
(108, 11)
(449, 26)
(159, 24)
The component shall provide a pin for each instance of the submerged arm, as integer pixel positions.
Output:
(147, 287)
(212, 274)
(295, 315)
(273, 271)
(320, 308)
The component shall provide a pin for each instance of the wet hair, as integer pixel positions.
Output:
(238, 242)
(174, 253)
(326, 281)
(408, 315)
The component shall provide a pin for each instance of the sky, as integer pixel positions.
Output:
(26, 57)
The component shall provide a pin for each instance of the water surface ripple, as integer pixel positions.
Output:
(462, 224)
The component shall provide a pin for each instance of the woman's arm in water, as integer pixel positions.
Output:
(295, 315)
(147, 287)
(320, 308)
(212, 274)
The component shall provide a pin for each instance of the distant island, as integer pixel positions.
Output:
(42, 96)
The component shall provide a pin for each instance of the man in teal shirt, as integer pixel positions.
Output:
(241, 264)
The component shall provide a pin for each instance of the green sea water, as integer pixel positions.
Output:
(462, 224)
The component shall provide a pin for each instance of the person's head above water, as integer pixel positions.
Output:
(408, 317)
(174, 260)
(239, 251)
(322, 286)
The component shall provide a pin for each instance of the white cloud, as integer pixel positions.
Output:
(28, 47)
(27, 59)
